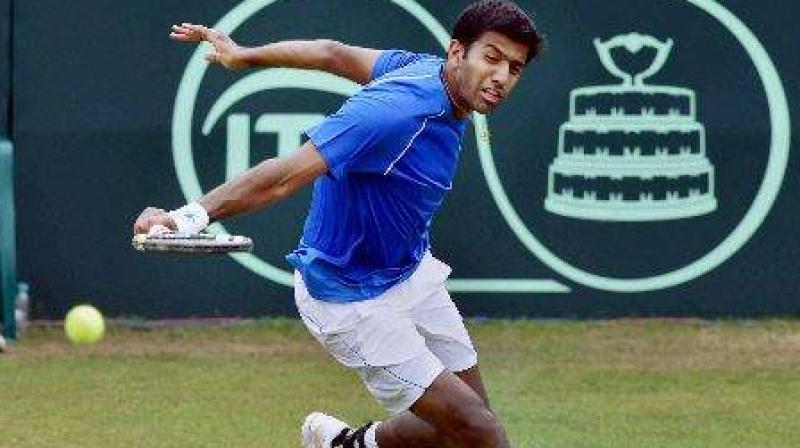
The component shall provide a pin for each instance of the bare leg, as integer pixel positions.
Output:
(472, 377)
(453, 412)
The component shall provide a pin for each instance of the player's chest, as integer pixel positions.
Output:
(431, 159)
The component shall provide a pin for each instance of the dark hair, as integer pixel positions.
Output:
(501, 16)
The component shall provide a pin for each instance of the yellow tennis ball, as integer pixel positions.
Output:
(84, 325)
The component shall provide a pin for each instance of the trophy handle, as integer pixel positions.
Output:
(604, 51)
(633, 42)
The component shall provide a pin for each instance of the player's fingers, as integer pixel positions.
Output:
(161, 220)
(153, 211)
(171, 223)
(212, 57)
(185, 35)
(181, 37)
(165, 220)
(147, 212)
(181, 30)
(185, 38)
(142, 224)
(158, 229)
(197, 29)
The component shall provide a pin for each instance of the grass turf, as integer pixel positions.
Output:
(625, 383)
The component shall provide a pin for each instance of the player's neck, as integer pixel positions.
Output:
(460, 109)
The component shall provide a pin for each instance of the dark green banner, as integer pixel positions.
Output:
(642, 167)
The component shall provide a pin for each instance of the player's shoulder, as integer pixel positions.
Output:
(390, 61)
(413, 87)
(398, 65)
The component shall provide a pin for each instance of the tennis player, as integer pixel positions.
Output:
(366, 284)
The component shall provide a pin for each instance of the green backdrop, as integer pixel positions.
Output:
(111, 116)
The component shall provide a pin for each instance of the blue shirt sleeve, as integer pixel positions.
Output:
(368, 134)
(391, 60)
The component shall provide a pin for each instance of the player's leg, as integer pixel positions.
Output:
(408, 423)
(472, 377)
(392, 431)
(372, 339)
(449, 413)
(410, 430)
(378, 341)
(439, 321)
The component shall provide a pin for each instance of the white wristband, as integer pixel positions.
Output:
(191, 218)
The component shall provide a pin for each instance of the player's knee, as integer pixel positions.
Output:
(479, 427)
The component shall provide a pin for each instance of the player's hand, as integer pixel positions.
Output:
(152, 217)
(226, 52)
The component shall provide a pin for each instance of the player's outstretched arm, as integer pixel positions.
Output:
(265, 183)
(261, 185)
(347, 61)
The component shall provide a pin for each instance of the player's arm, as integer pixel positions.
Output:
(261, 185)
(347, 61)
(265, 183)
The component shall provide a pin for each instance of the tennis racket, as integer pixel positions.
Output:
(199, 243)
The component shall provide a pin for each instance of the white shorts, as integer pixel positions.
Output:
(398, 342)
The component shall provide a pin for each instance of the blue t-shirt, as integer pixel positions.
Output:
(392, 151)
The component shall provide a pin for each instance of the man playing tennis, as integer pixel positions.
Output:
(366, 285)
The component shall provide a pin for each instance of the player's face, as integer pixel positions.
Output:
(487, 71)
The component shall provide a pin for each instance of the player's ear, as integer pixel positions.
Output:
(456, 52)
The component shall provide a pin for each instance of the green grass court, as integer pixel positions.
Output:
(630, 383)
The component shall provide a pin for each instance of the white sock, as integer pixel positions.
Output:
(370, 436)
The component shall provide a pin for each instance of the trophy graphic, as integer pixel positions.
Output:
(631, 151)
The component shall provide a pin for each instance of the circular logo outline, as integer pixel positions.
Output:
(780, 126)
(768, 191)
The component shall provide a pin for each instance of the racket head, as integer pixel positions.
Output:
(199, 243)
